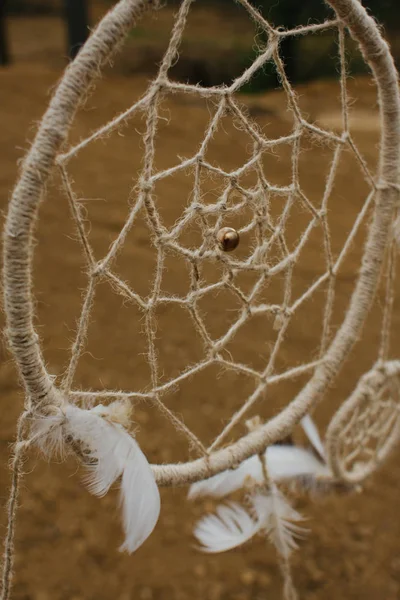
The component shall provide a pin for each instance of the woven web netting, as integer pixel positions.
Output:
(262, 212)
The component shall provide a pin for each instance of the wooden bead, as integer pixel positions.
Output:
(228, 239)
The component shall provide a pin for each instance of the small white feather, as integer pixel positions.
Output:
(110, 452)
(281, 520)
(283, 463)
(312, 433)
(228, 481)
(230, 527)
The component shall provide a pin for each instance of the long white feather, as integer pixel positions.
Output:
(230, 527)
(110, 452)
(289, 462)
(280, 524)
(312, 433)
(283, 462)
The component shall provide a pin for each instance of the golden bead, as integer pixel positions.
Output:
(228, 239)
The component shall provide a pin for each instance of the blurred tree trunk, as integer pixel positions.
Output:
(290, 19)
(4, 55)
(288, 54)
(76, 14)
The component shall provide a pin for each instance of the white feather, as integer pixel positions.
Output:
(230, 527)
(312, 433)
(228, 481)
(289, 462)
(47, 433)
(110, 452)
(283, 462)
(281, 520)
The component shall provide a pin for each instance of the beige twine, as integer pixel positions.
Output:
(50, 149)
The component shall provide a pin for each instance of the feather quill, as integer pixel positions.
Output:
(312, 433)
(281, 523)
(109, 453)
(283, 462)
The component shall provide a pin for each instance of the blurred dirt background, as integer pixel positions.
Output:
(67, 541)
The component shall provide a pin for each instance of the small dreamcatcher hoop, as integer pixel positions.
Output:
(366, 427)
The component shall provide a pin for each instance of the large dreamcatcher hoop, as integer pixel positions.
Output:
(42, 158)
(52, 405)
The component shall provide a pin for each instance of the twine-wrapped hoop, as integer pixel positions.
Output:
(42, 157)
(367, 425)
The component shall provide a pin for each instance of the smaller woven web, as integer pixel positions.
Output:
(271, 256)
(366, 426)
(371, 424)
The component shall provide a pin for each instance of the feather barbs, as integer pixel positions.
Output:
(281, 524)
(232, 525)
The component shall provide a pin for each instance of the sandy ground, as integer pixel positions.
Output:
(66, 546)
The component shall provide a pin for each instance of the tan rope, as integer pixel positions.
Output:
(12, 508)
(289, 590)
